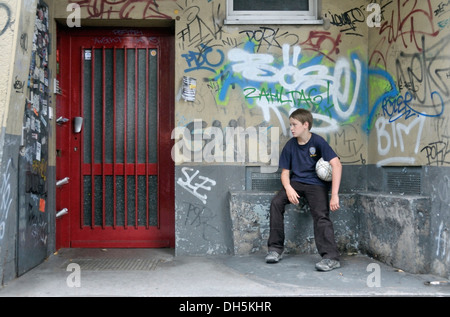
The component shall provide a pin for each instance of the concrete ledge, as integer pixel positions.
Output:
(396, 230)
(250, 224)
(393, 229)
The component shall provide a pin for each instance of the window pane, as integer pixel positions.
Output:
(98, 200)
(109, 200)
(87, 95)
(87, 202)
(153, 106)
(120, 200)
(109, 105)
(153, 200)
(141, 91)
(98, 105)
(131, 104)
(131, 207)
(271, 5)
(120, 104)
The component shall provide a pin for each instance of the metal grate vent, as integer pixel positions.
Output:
(404, 182)
(265, 182)
(118, 264)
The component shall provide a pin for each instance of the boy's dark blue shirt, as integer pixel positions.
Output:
(301, 159)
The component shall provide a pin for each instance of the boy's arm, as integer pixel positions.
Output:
(335, 183)
(290, 191)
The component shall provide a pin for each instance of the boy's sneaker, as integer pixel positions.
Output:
(273, 257)
(327, 265)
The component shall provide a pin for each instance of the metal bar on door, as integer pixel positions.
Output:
(92, 138)
(136, 133)
(82, 141)
(146, 136)
(103, 137)
(125, 126)
(114, 139)
(157, 113)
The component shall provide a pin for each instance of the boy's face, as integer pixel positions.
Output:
(297, 128)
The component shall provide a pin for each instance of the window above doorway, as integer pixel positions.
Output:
(273, 12)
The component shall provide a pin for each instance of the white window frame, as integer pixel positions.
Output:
(273, 17)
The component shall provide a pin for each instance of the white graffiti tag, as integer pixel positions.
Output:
(442, 242)
(6, 200)
(193, 188)
(259, 67)
(386, 141)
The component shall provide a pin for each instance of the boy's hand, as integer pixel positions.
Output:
(334, 202)
(292, 195)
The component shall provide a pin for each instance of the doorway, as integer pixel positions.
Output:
(115, 115)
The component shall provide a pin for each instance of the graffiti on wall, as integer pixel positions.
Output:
(5, 21)
(410, 62)
(443, 243)
(125, 9)
(277, 70)
(5, 189)
(196, 184)
(6, 198)
(201, 219)
(292, 83)
(33, 162)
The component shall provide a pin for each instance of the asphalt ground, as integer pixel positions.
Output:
(159, 274)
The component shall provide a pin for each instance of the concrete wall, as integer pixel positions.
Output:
(391, 113)
(16, 29)
(408, 65)
(202, 218)
(408, 107)
(25, 156)
(379, 99)
(230, 93)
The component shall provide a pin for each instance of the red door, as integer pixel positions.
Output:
(115, 116)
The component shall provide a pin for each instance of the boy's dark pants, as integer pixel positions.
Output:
(318, 200)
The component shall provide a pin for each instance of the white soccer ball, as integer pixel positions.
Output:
(324, 170)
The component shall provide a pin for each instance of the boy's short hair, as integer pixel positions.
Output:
(303, 116)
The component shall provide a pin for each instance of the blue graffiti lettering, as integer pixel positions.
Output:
(202, 59)
(401, 106)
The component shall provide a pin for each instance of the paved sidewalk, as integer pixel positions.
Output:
(158, 273)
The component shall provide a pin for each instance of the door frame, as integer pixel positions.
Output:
(70, 95)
